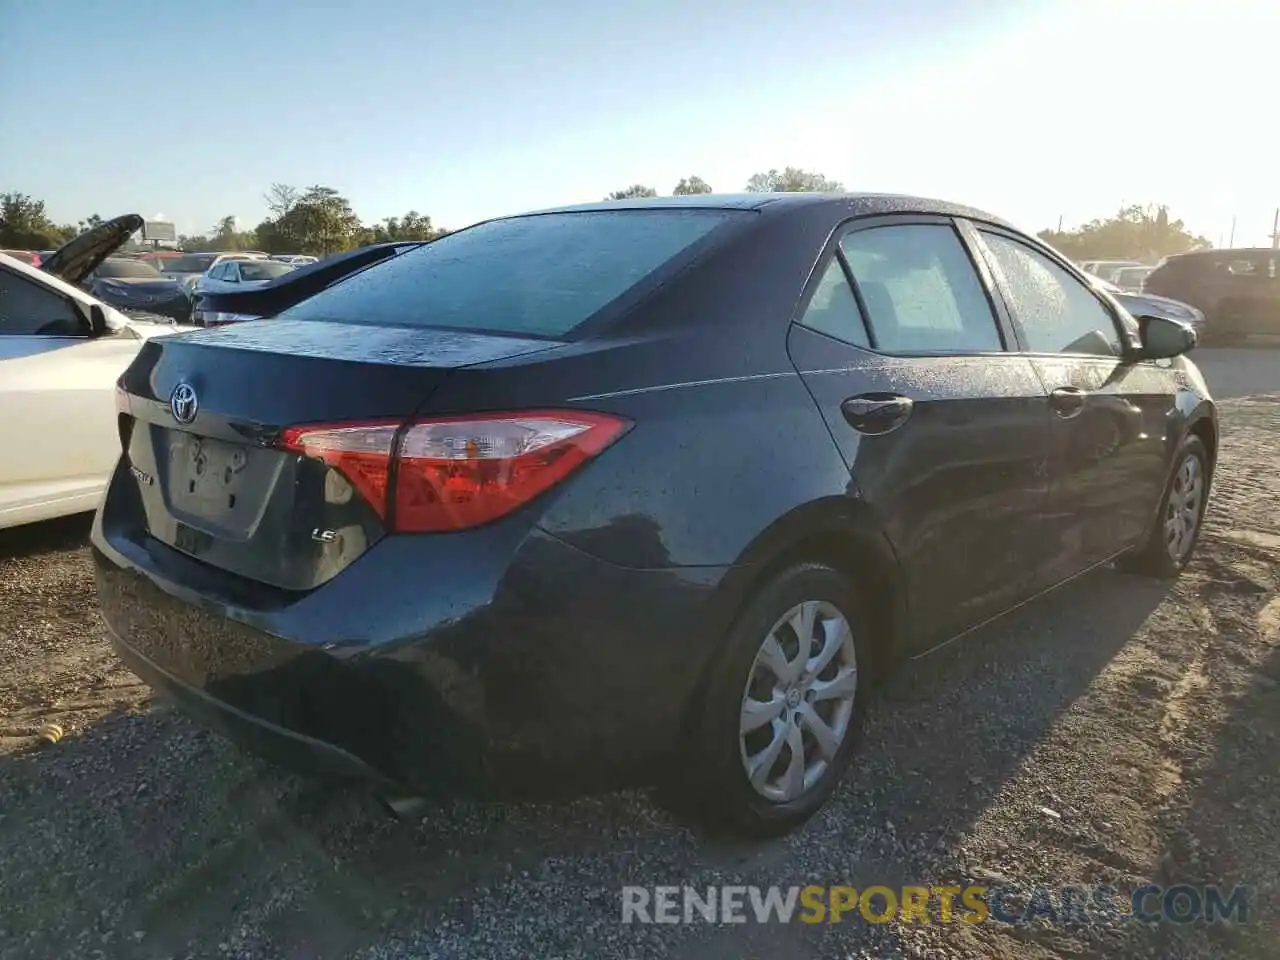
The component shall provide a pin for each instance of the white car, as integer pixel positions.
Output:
(1106, 269)
(61, 352)
(190, 267)
(239, 275)
(297, 259)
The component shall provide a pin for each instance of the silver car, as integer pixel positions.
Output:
(190, 267)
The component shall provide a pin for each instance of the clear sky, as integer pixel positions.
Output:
(1033, 109)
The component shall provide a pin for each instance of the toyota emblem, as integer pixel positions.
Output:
(183, 403)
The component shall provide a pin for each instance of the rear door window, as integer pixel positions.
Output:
(920, 289)
(539, 275)
(832, 308)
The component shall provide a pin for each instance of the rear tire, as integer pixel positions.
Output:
(787, 706)
(1173, 538)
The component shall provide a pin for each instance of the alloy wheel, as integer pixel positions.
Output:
(1186, 502)
(797, 707)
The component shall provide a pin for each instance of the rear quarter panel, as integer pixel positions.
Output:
(726, 438)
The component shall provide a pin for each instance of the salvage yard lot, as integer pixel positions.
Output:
(1144, 715)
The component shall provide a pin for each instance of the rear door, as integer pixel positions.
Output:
(944, 428)
(1110, 415)
(1251, 295)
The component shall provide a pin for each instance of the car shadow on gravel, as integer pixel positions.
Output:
(1225, 829)
(147, 836)
(65, 533)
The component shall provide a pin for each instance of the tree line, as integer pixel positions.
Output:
(319, 220)
(1134, 233)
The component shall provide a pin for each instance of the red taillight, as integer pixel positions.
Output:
(457, 472)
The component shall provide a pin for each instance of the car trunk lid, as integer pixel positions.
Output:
(202, 415)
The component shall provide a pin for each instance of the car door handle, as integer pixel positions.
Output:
(1068, 402)
(875, 413)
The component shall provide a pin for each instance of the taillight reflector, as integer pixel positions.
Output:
(458, 472)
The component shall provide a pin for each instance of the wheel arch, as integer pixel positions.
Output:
(1205, 426)
(841, 531)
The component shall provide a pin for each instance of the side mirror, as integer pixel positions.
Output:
(93, 317)
(97, 321)
(1164, 337)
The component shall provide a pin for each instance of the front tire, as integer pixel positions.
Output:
(1173, 538)
(782, 705)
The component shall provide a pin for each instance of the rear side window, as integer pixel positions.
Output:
(921, 291)
(539, 275)
(833, 310)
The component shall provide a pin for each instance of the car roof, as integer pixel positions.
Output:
(1225, 252)
(856, 204)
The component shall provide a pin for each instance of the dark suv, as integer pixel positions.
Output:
(1238, 290)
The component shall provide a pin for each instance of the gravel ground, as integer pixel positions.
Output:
(1121, 731)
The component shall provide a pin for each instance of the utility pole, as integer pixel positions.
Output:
(1231, 242)
(1060, 222)
(1275, 230)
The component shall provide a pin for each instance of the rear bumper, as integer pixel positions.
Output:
(279, 744)
(498, 661)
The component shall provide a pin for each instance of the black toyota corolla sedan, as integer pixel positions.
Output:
(603, 493)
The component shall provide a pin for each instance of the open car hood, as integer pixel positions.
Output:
(79, 257)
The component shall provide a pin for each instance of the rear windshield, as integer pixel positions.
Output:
(189, 264)
(539, 275)
(263, 269)
(120, 267)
